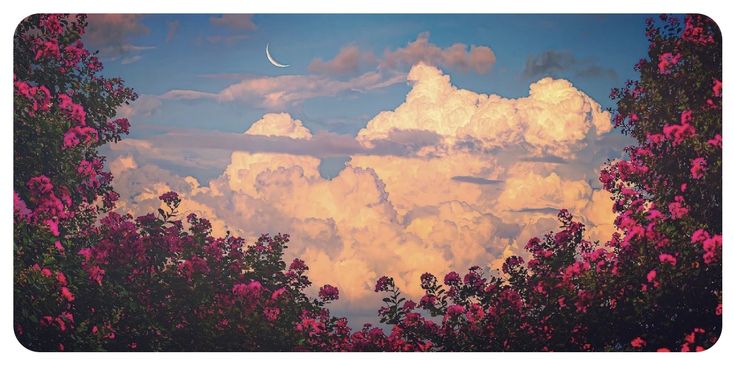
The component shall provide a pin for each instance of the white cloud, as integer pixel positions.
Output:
(280, 124)
(555, 119)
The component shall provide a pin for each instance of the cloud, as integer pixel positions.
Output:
(279, 92)
(234, 21)
(475, 180)
(237, 27)
(143, 106)
(175, 145)
(554, 62)
(479, 59)
(131, 59)
(555, 119)
(348, 61)
(281, 124)
(172, 29)
(413, 197)
(111, 34)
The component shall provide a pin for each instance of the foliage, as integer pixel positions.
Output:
(86, 278)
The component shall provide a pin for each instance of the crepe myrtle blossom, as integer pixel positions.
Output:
(667, 60)
(698, 166)
(328, 293)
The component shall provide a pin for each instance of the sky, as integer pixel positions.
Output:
(391, 145)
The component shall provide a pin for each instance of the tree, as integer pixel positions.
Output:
(87, 278)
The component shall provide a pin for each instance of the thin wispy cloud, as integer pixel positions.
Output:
(554, 63)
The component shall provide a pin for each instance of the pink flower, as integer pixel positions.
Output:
(686, 117)
(698, 166)
(666, 60)
(711, 247)
(716, 141)
(122, 125)
(58, 246)
(298, 265)
(655, 138)
(667, 258)
(452, 278)
(454, 310)
(73, 110)
(46, 272)
(699, 235)
(277, 293)
(719, 309)
(678, 132)
(677, 209)
(61, 278)
(384, 283)
(170, 198)
(66, 293)
(271, 313)
(717, 88)
(47, 48)
(46, 320)
(53, 226)
(20, 209)
(96, 273)
(638, 342)
(251, 289)
(427, 301)
(86, 252)
(651, 276)
(328, 292)
(76, 135)
(50, 24)
(694, 32)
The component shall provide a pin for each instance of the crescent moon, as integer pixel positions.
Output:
(271, 59)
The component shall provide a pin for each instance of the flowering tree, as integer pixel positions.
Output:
(63, 111)
(89, 279)
(655, 285)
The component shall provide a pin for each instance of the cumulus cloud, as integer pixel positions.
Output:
(479, 59)
(553, 62)
(111, 34)
(281, 124)
(435, 203)
(554, 119)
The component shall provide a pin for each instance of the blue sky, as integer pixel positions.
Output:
(612, 43)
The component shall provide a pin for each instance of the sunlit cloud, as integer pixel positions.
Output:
(412, 198)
